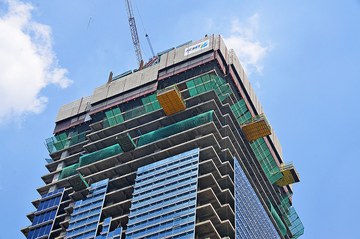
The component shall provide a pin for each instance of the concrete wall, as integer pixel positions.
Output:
(74, 108)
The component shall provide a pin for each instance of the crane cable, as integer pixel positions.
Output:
(142, 25)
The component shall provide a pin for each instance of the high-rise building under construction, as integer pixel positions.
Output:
(178, 149)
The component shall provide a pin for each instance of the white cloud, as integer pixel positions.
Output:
(27, 63)
(242, 39)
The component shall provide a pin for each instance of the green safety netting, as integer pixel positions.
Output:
(296, 226)
(267, 161)
(151, 103)
(99, 155)
(176, 128)
(284, 204)
(62, 141)
(212, 82)
(69, 171)
(115, 116)
(278, 220)
(76, 138)
(136, 112)
(241, 112)
(290, 216)
(209, 82)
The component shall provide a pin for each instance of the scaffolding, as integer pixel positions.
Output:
(256, 128)
(171, 100)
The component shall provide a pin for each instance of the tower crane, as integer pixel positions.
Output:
(134, 33)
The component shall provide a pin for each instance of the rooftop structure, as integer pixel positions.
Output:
(178, 149)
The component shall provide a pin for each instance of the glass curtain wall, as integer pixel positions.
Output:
(164, 198)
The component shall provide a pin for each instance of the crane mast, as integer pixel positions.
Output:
(134, 33)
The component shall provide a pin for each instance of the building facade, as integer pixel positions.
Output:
(178, 149)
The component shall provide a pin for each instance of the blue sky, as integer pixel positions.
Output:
(303, 58)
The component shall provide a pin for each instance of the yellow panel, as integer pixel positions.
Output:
(171, 101)
(257, 129)
(290, 176)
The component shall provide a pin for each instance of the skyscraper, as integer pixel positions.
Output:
(178, 149)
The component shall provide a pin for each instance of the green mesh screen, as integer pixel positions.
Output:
(290, 216)
(176, 128)
(113, 117)
(99, 155)
(77, 138)
(209, 82)
(62, 141)
(296, 226)
(278, 220)
(241, 112)
(69, 171)
(284, 204)
(268, 164)
(136, 112)
(150, 103)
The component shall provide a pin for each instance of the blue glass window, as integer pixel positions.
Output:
(45, 214)
(85, 217)
(251, 219)
(164, 198)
